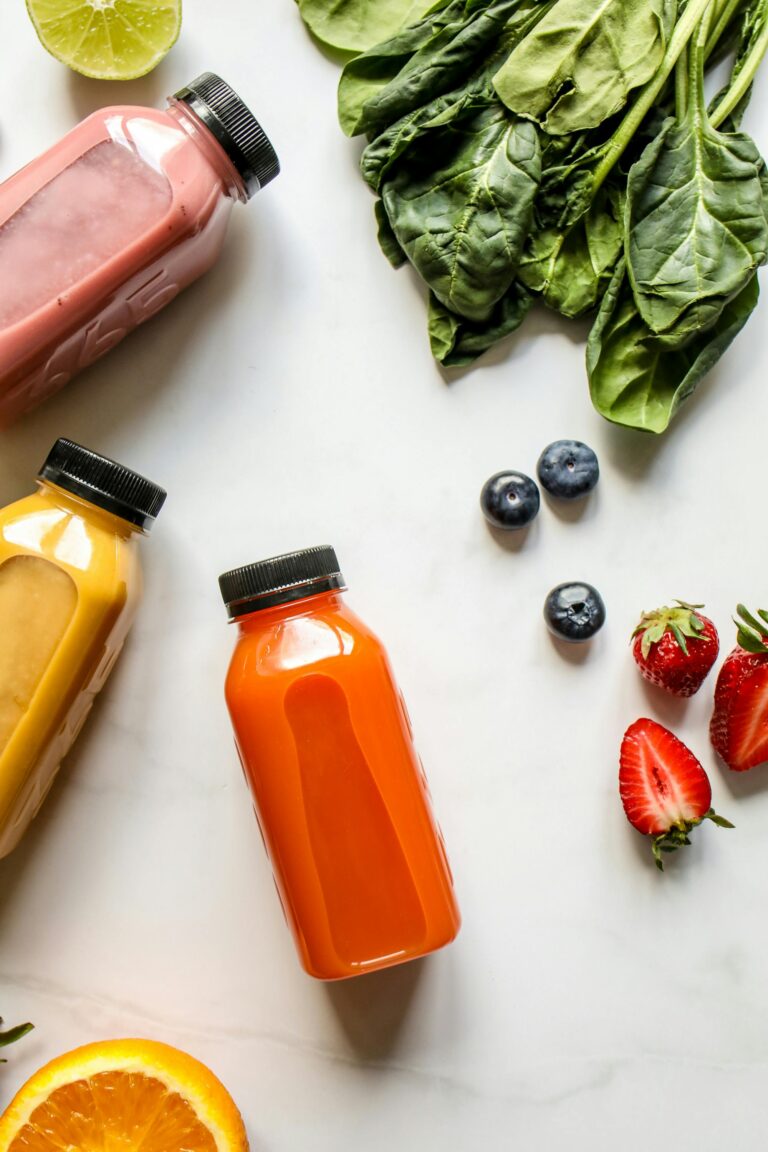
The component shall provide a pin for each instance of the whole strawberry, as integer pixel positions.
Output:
(675, 648)
(664, 789)
(739, 725)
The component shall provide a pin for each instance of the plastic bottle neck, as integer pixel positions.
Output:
(324, 602)
(210, 147)
(79, 506)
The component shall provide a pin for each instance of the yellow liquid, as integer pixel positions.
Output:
(37, 602)
(69, 586)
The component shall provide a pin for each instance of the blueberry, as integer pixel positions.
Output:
(574, 612)
(510, 500)
(568, 469)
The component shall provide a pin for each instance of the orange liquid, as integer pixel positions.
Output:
(338, 790)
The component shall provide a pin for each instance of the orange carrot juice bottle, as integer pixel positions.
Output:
(338, 789)
(106, 227)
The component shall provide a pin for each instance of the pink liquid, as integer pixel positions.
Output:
(97, 235)
(72, 226)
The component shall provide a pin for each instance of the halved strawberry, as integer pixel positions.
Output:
(748, 723)
(739, 725)
(737, 667)
(675, 648)
(664, 789)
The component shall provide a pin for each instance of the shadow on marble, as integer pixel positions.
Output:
(676, 864)
(662, 706)
(540, 323)
(87, 95)
(642, 849)
(14, 867)
(633, 453)
(372, 1009)
(517, 540)
(637, 453)
(337, 56)
(574, 653)
(573, 511)
(740, 785)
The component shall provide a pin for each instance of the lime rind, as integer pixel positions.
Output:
(107, 39)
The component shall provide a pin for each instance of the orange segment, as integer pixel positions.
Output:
(119, 1109)
(123, 1096)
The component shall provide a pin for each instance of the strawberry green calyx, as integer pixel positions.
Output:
(13, 1034)
(677, 836)
(752, 633)
(682, 621)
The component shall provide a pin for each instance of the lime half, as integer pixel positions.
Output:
(107, 39)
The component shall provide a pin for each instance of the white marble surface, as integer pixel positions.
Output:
(290, 399)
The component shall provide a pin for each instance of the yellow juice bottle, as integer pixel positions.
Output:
(70, 582)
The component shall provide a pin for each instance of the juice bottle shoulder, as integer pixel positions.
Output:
(288, 641)
(99, 550)
(165, 141)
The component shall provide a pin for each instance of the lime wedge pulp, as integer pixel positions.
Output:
(107, 39)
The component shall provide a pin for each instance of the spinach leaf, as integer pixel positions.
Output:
(633, 378)
(384, 151)
(568, 189)
(695, 218)
(388, 242)
(568, 165)
(474, 95)
(580, 63)
(374, 71)
(366, 105)
(462, 208)
(398, 77)
(572, 267)
(355, 25)
(456, 342)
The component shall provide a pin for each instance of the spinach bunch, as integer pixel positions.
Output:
(696, 232)
(563, 151)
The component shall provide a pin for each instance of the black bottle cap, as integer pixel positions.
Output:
(235, 127)
(104, 483)
(280, 580)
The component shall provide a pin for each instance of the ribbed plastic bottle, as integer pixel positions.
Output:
(70, 584)
(338, 788)
(111, 223)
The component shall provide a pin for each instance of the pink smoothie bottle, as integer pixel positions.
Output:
(106, 227)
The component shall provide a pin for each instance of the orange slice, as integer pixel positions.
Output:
(122, 1096)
